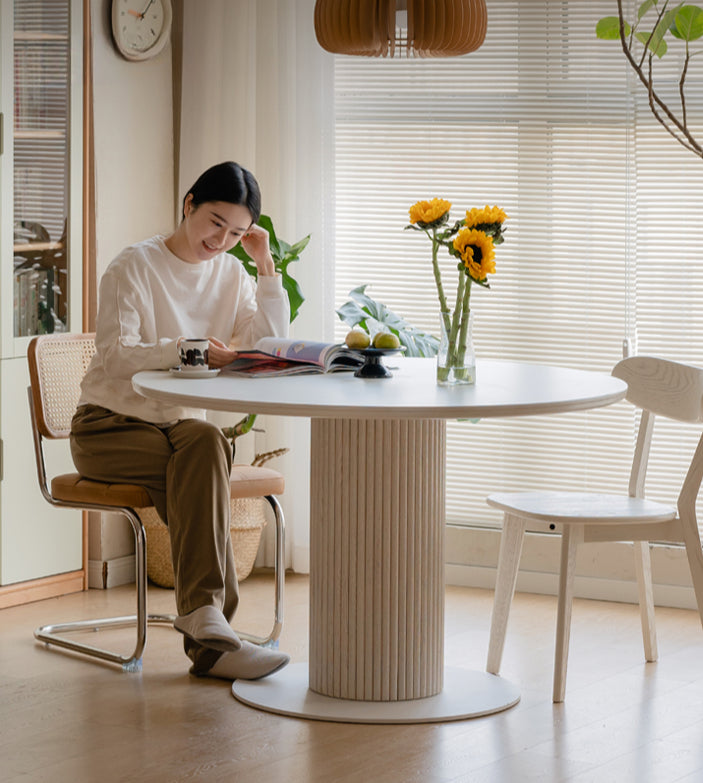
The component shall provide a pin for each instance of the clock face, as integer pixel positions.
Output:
(140, 27)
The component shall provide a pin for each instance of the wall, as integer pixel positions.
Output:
(133, 127)
(257, 88)
(134, 191)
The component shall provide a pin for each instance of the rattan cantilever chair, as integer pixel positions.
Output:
(57, 364)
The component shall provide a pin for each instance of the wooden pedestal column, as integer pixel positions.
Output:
(377, 559)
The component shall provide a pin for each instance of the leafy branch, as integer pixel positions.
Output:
(682, 22)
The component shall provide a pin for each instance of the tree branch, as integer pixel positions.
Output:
(656, 104)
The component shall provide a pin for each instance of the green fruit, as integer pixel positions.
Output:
(386, 340)
(357, 339)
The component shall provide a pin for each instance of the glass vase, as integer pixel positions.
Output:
(456, 359)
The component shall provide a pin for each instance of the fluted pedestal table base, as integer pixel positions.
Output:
(466, 694)
(377, 585)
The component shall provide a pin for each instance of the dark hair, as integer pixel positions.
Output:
(228, 182)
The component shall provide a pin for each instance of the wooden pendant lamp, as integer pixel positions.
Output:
(422, 28)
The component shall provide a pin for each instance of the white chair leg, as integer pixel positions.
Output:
(572, 536)
(695, 561)
(506, 577)
(643, 569)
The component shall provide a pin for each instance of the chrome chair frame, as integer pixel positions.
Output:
(52, 634)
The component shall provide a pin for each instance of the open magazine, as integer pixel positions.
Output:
(282, 356)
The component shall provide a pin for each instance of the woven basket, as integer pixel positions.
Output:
(248, 519)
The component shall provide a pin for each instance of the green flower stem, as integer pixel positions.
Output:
(444, 309)
(452, 353)
(465, 313)
(458, 334)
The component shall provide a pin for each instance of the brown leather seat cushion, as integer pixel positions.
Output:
(247, 481)
(72, 487)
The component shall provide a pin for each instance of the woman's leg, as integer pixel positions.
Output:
(198, 513)
(109, 447)
(185, 467)
(198, 517)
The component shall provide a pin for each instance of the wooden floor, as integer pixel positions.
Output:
(64, 719)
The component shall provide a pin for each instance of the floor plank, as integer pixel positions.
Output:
(63, 718)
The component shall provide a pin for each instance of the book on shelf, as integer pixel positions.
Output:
(283, 356)
(29, 299)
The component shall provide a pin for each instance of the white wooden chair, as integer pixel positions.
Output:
(57, 364)
(659, 388)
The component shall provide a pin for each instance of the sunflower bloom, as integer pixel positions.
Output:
(429, 213)
(487, 216)
(477, 253)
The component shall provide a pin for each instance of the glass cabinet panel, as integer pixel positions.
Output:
(41, 56)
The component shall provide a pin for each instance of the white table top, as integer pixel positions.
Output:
(503, 388)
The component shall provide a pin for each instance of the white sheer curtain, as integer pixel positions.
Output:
(256, 88)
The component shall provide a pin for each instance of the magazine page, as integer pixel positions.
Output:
(283, 356)
(266, 366)
(296, 350)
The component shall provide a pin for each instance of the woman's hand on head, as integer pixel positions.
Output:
(218, 354)
(256, 244)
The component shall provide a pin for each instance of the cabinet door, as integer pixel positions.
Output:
(41, 174)
(37, 539)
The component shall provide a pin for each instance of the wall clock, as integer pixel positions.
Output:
(141, 27)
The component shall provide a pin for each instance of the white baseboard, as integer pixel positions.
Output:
(111, 573)
(676, 596)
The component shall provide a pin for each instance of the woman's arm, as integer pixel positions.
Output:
(124, 316)
(256, 244)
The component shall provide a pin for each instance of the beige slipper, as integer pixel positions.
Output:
(251, 662)
(209, 627)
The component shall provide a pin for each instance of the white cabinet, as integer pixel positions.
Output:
(40, 261)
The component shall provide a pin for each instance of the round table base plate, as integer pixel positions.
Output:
(466, 694)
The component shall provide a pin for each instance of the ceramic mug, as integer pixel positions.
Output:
(193, 354)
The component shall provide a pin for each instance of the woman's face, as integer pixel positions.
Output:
(211, 228)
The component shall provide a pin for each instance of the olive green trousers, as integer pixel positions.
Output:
(185, 467)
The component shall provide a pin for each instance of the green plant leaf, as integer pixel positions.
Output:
(351, 314)
(295, 295)
(283, 249)
(659, 49)
(688, 23)
(372, 316)
(608, 28)
(299, 246)
(642, 10)
(266, 222)
(240, 253)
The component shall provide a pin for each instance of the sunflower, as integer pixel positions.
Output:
(486, 216)
(475, 249)
(428, 214)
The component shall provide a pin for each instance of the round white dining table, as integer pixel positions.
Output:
(377, 484)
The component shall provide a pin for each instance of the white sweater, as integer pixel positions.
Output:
(149, 298)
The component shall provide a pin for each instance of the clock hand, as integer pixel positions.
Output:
(143, 13)
(134, 13)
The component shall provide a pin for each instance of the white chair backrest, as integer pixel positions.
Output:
(57, 364)
(663, 387)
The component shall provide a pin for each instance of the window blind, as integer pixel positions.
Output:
(602, 241)
(41, 58)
